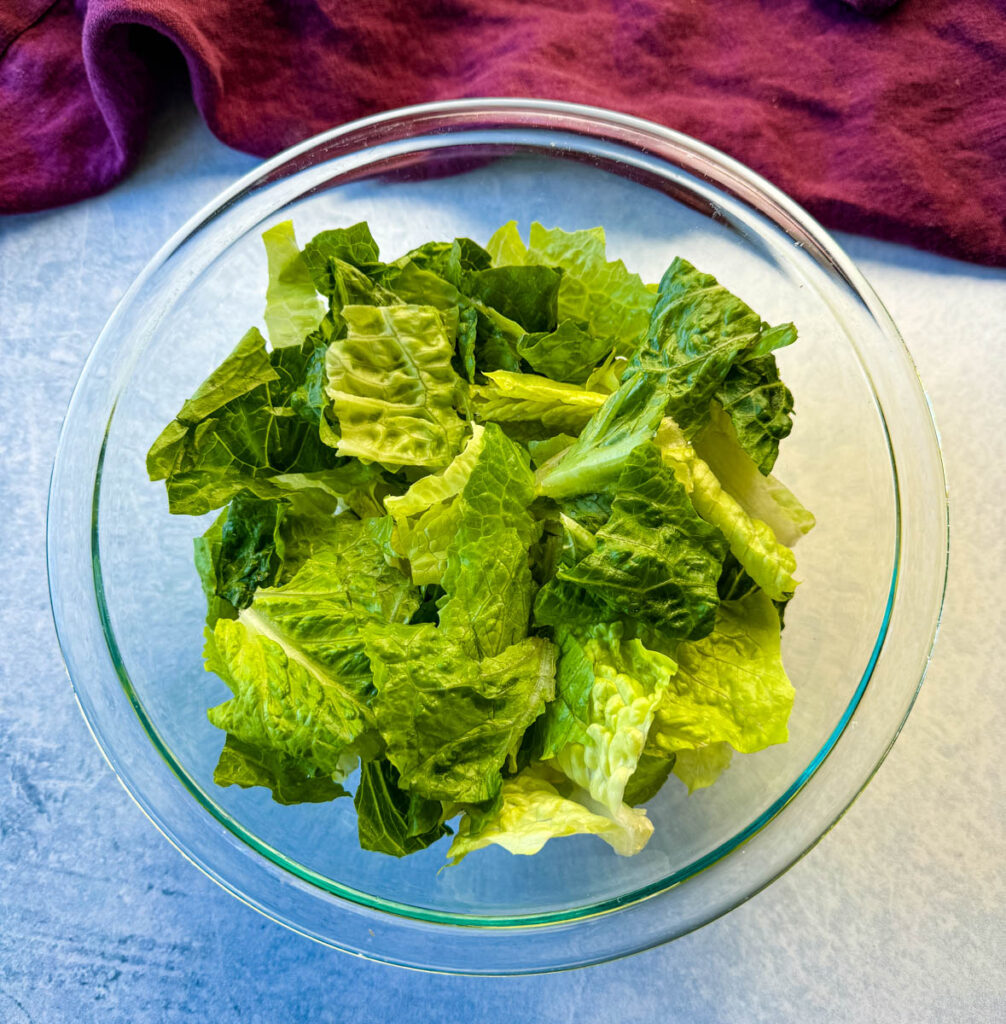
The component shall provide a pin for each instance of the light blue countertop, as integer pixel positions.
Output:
(898, 915)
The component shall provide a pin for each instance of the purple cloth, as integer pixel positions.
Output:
(892, 124)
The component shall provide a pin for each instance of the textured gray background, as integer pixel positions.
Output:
(899, 914)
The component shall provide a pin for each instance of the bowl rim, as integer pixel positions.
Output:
(536, 111)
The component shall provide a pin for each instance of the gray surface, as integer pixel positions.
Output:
(899, 914)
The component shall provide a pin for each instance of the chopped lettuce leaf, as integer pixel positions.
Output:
(292, 307)
(656, 561)
(238, 430)
(291, 781)
(533, 811)
(762, 497)
(699, 767)
(626, 419)
(390, 820)
(606, 696)
(448, 720)
(567, 353)
(613, 303)
(294, 660)
(527, 398)
(393, 388)
(698, 337)
(730, 687)
(770, 564)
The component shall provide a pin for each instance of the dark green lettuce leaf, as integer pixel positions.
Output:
(354, 245)
(248, 557)
(760, 406)
(526, 295)
(390, 820)
(448, 720)
(239, 430)
(613, 303)
(653, 769)
(707, 344)
(206, 553)
(656, 561)
(291, 781)
(567, 353)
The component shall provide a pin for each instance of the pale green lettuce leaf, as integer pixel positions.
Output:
(393, 388)
(762, 497)
(525, 398)
(506, 247)
(447, 719)
(752, 542)
(730, 687)
(442, 486)
(699, 767)
(292, 306)
(596, 727)
(533, 811)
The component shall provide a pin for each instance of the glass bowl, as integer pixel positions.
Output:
(864, 456)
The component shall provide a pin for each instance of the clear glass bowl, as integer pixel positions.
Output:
(864, 456)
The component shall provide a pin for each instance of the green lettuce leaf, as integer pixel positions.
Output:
(238, 431)
(653, 769)
(568, 353)
(393, 388)
(656, 561)
(613, 303)
(730, 687)
(698, 336)
(627, 418)
(496, 336)
(526, 295)
(354, 245)
(251, 548)
(448, 720)
(487, 575)
(607, 689)
(770, 564)
(760, 406)
(390, 820)
(291, 781)
(292, 307)
(524, 398)
(533, 811)
(206, 553)
(294, 660)
(700, 767)
(762, 497)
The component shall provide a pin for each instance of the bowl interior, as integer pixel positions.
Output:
(837, 461)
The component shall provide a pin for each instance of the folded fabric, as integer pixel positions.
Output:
(888, 123)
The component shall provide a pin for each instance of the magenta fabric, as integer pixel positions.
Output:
(885, 120)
